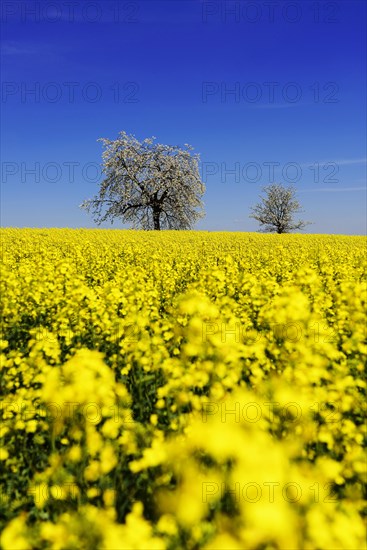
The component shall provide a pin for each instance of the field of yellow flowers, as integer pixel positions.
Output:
(182, 390)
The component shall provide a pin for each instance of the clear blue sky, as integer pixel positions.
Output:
(255, 87)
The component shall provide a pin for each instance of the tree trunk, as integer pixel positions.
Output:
(156, 216)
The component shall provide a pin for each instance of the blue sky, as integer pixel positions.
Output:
(264, 91)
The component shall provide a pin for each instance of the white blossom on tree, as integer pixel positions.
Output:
(275, 212)
(149, 185)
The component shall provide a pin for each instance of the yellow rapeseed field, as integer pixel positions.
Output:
(182, 390)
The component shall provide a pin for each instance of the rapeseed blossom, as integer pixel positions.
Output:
(182, 390)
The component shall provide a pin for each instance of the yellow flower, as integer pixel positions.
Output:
(109, 497)
(31, 426)
(3, 453)
(108, 459)
(14, 536)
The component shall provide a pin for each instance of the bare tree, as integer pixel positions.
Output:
(150, 185)
(275, 212)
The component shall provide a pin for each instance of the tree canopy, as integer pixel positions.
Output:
(275, 212)
(147, 184)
